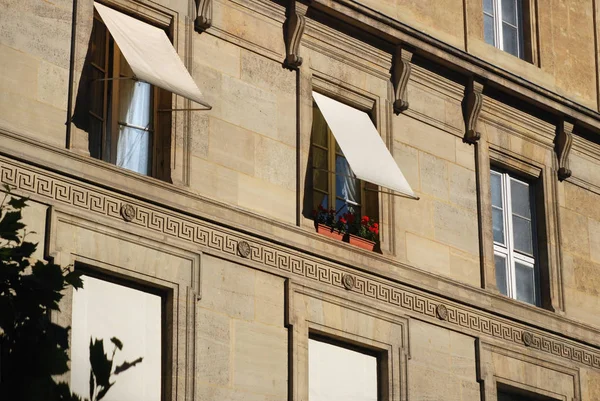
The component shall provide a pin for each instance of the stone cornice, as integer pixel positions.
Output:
(427, 46)
(244, 248)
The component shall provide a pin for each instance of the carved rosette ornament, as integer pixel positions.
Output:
(563, 142)
(348, 281)
(243, 249)
(293, 29)
(401, 69)
(127, 212)
(204, 15)
(472, 104)
(527, 338)
(441, 311)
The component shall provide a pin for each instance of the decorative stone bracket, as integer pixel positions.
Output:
(293, 29)
(563, 142)
(472, 104)
(204, 15)
(401, 69)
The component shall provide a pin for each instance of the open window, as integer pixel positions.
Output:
(133, 70)
(350, 166)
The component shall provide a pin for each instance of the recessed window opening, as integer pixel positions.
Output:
(514, 232)
(503, 25)
(341, 372)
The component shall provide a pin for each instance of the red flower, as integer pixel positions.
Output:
(343, 220)
(376, 226)
(364, 220)
(351, 218)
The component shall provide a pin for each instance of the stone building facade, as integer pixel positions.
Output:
(219, 229)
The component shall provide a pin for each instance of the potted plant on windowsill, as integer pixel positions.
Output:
(326, 223)
(363, 233)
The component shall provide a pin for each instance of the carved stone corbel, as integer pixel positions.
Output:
(400, 75)
(204, 15)
(471, 108)
(562, 142)
(293, 29)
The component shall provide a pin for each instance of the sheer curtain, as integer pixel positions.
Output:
(134, 144)
(346, 185)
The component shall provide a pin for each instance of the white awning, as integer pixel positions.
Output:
(150, 54)
(364, 149)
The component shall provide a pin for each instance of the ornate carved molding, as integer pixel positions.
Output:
(293, 29)
(401, 69)
(170, 225)
(471, 108)
(204, 15)
(563, 142)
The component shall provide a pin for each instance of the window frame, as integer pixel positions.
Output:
(161, 135)
(508, 250)
(498, 26)
(166, 301)
(332, 154)
(378, 354)
(527, 29)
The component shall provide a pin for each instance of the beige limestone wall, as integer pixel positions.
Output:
(242, 349)
(442, 365)
(34, 68)
(437, 233)
(243, 150)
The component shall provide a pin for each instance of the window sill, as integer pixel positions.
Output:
(353, 240)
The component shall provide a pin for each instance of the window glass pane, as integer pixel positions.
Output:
(496, 185)
(522, 235)
(525, 283)
(134, 149)
(488, 29)
(509, 11)
(520, 198)
(98, 40)
(336, 373)
(488, 6)
(498, 225)
(347, 187)
(95, 137)
(319, 158)
(135, 103)
(321, 199)
(501, 275)
(104, 310)
(510, 39)
(320, 180)
(319, 128)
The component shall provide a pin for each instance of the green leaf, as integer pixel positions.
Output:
(117, 343)
(18, 202)
(126, 365)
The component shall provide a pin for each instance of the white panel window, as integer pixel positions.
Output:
(503, 25)
(104, 310)
(513, 223)
(340, 374)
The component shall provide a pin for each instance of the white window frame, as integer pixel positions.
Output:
(507, 250)
(498, 21)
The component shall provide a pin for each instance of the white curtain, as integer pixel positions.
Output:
(134, 146)
(346, 183)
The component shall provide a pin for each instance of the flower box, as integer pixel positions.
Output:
(329, 232)
(360, 242)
